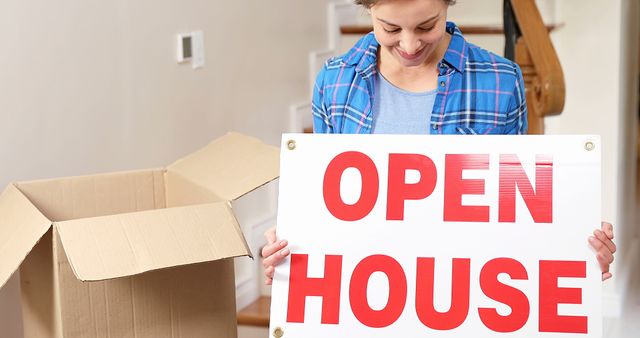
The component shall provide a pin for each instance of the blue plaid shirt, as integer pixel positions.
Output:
(478, 91)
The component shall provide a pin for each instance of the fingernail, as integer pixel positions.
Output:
(283, 243)
(284, 252)
(592, 239)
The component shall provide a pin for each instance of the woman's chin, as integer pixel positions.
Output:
(418, 60)
(410, 63)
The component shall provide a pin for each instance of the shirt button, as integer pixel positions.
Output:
(441, 83)
(434, 127)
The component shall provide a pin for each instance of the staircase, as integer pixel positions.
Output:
(340, 14)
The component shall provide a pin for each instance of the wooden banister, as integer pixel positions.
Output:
(256, 313)
(543, 77)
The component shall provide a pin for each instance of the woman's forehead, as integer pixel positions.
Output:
(407, 11)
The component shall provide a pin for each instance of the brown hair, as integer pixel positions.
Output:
(370, 3)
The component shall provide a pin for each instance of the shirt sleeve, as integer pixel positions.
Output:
(517, 114)
(321, 121)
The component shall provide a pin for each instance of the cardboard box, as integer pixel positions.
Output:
(114, 255)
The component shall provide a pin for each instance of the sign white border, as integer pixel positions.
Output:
(303, 219)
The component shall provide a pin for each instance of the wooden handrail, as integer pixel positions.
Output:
(543, 77)
(466, 29)
(256, 313)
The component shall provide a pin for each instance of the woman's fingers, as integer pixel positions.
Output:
(603, 255)
(272, 248)
(272, 260)
(268, 272)
(606, 240)
(607, 228)
(273, 253)
(276, 258)
(605, 259)
(602, 242)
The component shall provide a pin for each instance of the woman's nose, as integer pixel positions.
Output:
(410, 44)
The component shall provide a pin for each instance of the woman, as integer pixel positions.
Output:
(416, 74)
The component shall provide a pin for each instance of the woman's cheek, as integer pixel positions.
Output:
(385, 40)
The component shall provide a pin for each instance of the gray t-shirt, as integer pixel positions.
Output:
(397, 111)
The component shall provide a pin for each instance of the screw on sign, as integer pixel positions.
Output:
(278, 332)
(291, 144)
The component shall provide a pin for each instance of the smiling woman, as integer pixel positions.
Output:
(416, 74)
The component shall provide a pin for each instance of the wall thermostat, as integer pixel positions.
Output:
(190, 48)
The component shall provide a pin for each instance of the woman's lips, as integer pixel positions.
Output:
(408, 56)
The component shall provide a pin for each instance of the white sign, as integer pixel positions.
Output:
(438, 236)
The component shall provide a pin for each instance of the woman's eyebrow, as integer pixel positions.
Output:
(429, 20)
(420, 24)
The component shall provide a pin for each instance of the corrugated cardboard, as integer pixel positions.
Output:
(133, 254)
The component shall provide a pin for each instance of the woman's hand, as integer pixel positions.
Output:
(602, 242)
(273, 253)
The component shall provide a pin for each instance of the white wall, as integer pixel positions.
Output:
(92, 86)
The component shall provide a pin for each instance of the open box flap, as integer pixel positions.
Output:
(128, 244)
(21, 227)
(230, 166)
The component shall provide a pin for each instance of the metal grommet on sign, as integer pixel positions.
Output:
(291, 144)
(278, 332)
(589, 146)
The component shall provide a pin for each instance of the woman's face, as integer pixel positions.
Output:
(409, 30)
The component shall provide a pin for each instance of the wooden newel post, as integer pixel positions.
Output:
(534, 52)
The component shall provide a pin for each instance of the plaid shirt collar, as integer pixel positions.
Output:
(364, 54)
